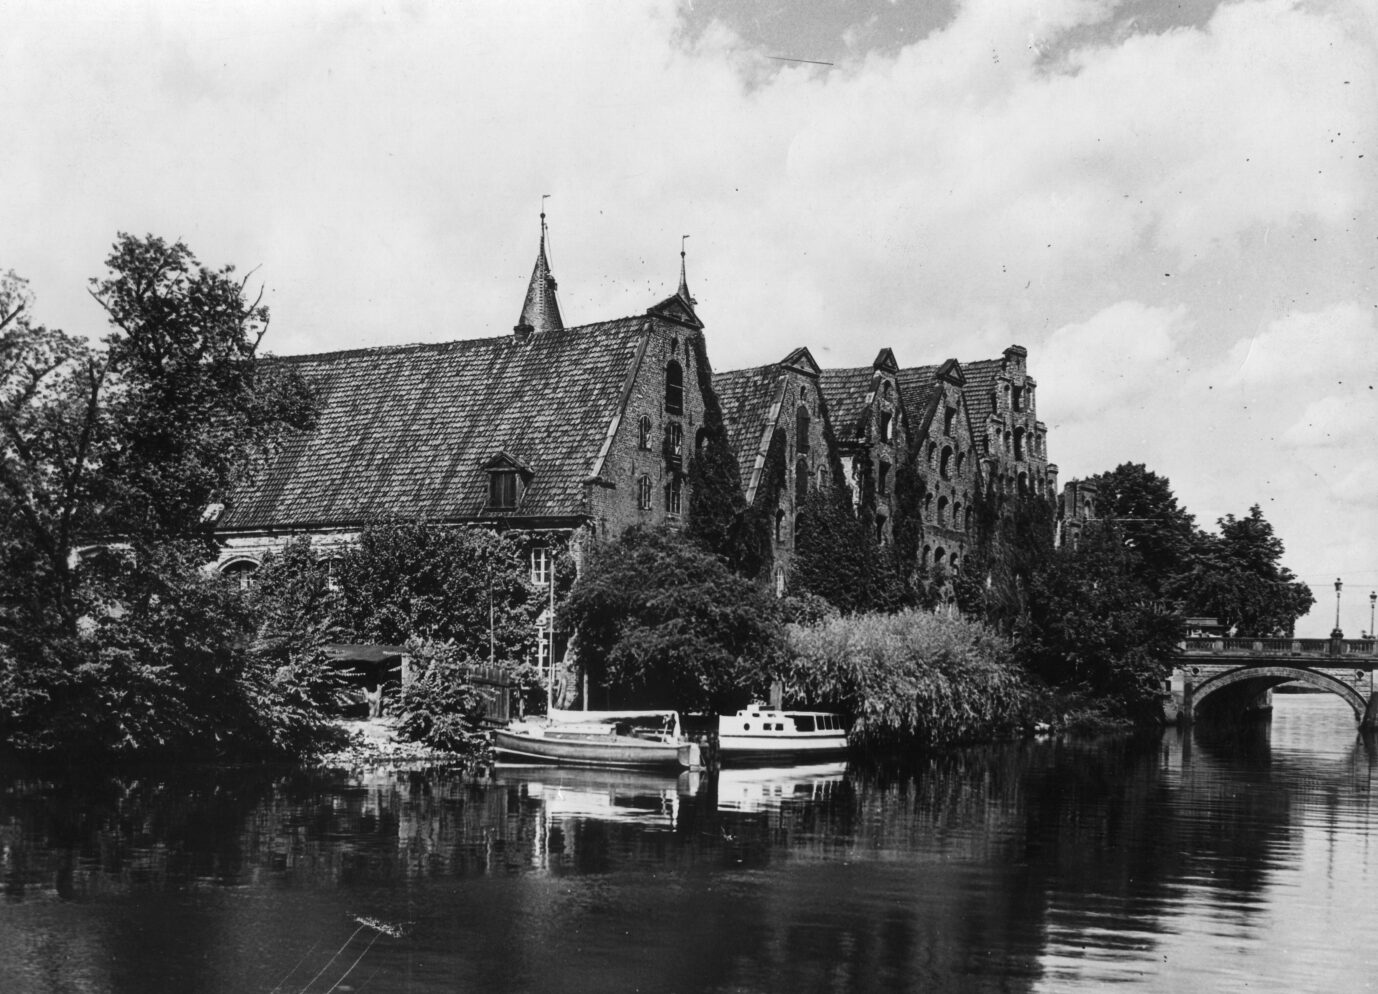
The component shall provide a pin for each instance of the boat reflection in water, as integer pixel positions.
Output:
(767, 788)
(646, 799)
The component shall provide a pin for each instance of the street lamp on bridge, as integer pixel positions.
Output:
(1337, 634)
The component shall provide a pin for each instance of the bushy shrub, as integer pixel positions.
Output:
(442, 708)
(911, 678)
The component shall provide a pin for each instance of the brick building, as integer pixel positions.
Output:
(560, 433)
(567, 435)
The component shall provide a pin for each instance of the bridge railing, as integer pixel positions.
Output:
(1278, 647)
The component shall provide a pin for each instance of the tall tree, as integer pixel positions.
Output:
(1159, 530)
(1238, 577)
(111, 459)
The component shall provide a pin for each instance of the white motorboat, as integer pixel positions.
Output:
(761, 732)
(645, 739)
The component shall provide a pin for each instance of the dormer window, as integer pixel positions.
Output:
(508, 478)
(674, 388)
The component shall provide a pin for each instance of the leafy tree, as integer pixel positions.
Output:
(1092, 625)
(1159, 530)
(1238, 577)
(663, 623)
(837, 556)
(110, 456)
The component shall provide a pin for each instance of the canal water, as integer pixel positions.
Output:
(1242, 861)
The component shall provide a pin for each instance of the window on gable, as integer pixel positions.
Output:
(503, 489)
(643, 432)
(540, 566)
(674, 388)
(643, 493)
(801, 424)
(1017, 401)
(949, 416)
(801, 482)
(883, 483)
(886, 422)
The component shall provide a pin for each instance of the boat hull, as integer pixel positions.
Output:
(622, 751)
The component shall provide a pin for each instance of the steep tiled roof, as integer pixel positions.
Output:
(408, 430)
(746, 397)
(980, 384)
(845, 391)
(919, 392)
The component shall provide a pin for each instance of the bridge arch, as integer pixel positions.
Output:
(1267, 677)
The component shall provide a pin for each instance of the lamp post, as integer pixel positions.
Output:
(1337, 633)
(1372, 602)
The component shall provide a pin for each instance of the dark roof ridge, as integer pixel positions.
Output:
(451, 343)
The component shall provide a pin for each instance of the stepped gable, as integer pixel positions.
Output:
(847, 392)
(746, 397)
(410, 430)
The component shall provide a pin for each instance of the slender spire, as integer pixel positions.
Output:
(541, 311)
(683, 281)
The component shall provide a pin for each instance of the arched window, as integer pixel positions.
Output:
(240, 573)
(801, 481)
(939, 554)
(1023, 484)
(966, 519)
(886, 390)
(956, 514)
(942, 512)
(779, 526)
(674, 388)
(801, 425)
(883, 482)
(643, 493)
(923, 557)
(1019, 443)
(886, 425)
(928, 506)
(932, 454)
(952, 562)
(674, 495)
(949, 416)
(643, 432)
(961, 462)
(945, 464)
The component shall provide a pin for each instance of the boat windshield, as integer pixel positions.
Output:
(665, 722)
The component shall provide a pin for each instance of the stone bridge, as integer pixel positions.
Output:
(1236, 675)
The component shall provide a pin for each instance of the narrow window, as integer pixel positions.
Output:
(1017, 401)
(779, 582)
(942, 512)
(1019, 443)
(674, 496)
(643, 493)
(674, 388)
(961, 462)
(883, 483)
(779, 526)
(643, 432)
(949, 416)
(885, 421)
(502, 489)
(801, 481)
(801, 424)
(945, 465)
(540, 566)
(674, 440)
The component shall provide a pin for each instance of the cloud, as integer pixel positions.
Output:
(1119, 358)
(1326, 348)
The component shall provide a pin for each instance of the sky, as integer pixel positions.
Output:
(1172, 205)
